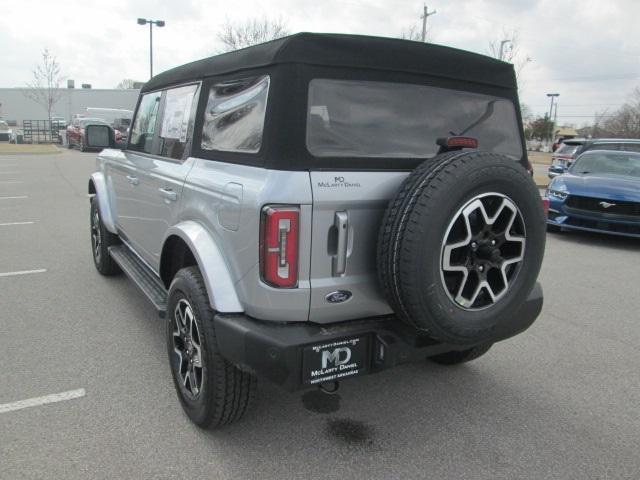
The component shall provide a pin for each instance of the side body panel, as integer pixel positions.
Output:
(226, 199)
(155, 202)
(109, 180)
(211, 261)
(102, 197)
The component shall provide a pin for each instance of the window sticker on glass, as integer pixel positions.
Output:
(177, 112)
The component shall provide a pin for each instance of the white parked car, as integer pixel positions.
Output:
(6, 134)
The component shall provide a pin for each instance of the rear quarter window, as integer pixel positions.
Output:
(234, 115)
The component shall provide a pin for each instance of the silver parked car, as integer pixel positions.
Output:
(321, 207)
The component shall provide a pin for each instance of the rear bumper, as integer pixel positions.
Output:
(275, 350)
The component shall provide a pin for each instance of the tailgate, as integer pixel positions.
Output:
(347, 212)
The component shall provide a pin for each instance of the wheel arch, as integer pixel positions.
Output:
(189, 243)
(97, 188)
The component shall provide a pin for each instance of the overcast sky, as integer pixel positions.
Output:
(586, 50)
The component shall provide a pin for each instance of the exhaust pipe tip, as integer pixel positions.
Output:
(330, 388)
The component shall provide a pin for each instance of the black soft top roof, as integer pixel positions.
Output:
(350, 51)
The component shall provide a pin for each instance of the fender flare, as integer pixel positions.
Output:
(99, 190)
(217, 278)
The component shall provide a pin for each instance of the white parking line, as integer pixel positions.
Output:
(22, 272)
(34, 402)
(9, 224)
(18, 196)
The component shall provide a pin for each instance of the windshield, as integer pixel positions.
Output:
(374, 119)
(4, 125)
(608, 163)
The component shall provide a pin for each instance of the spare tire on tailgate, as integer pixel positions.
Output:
(461, 245)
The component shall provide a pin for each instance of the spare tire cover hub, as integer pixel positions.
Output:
(482, 250)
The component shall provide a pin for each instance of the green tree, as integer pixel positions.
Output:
(541, 128)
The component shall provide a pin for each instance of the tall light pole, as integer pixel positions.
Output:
(425, 14)
(502, 44)
(552, 96)
(158, 23)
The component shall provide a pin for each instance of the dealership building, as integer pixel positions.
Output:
(15, 106)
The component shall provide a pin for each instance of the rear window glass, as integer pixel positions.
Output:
(376, 119)
(234, 116)
(567, 149)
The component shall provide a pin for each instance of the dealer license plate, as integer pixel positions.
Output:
(335, 360)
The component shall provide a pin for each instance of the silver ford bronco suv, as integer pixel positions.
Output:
(321, 207)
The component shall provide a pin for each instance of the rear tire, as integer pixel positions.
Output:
(450, 270)
(463, 356)
(101, 240)
(212, 391)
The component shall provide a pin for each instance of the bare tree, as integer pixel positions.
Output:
(413, 33)
(128, 83)
(44, 89)
(508, 49)
(623, 123)
(250, 32)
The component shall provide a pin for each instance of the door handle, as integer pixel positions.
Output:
(339, 260)
(169, 194)
(133, 180)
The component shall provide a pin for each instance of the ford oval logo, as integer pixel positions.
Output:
(338, 297)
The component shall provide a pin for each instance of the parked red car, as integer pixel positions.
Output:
(75, 131)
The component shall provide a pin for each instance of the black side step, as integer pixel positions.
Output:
(142, 276)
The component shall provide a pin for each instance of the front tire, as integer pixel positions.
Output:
(212, 391)
(101, 240)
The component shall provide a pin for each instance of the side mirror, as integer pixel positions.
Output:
(101, 136)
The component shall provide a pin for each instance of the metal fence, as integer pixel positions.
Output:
(41, 131)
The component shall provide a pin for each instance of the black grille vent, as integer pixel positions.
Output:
(601, 205)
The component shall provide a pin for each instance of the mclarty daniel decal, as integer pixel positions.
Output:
(338, 182)
(335, 361)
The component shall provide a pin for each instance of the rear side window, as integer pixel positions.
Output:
(234, 116)
(177, 120)
(625, 147)
(144, 125)
(630, 147)
(349, 118)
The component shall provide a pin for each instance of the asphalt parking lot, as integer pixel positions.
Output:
(560, 401)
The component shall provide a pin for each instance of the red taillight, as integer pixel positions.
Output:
(545, 205)
(279, 246)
